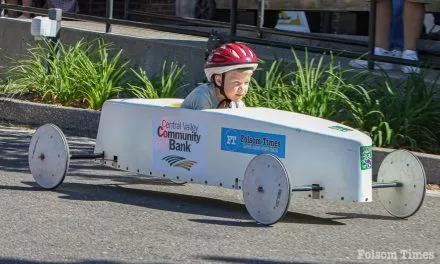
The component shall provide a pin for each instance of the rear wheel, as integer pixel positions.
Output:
(48, 156)
(405, 168)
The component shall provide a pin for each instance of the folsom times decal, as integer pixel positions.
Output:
(178, 145)
(252, 142)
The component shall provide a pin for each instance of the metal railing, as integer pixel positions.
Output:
(233, 27)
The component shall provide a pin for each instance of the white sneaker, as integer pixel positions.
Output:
(410, 55)
(396, 53)
(363, 64)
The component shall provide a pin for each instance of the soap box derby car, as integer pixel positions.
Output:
(270, 155)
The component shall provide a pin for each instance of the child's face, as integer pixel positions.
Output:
(237, 84)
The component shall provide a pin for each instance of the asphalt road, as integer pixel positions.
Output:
(101, 215)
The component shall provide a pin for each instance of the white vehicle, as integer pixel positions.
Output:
(269, 155)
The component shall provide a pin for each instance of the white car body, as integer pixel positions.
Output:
(213, 147)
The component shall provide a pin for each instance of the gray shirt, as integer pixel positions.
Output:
(204, 97)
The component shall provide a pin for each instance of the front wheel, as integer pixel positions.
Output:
(266, 189)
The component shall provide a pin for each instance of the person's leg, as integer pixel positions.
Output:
(413, 16)
(10, 12)
(383, 23)
(396, 35)
(27, 3)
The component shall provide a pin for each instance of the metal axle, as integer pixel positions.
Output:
(307, 188)
(387, 185)
(87, 156)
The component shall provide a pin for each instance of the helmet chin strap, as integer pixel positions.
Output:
(225, 102)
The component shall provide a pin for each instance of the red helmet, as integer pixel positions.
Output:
(230, 56)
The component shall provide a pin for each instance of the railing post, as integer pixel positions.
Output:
(260, 21)
(108, 25)
(126, 6)
(2, 12)
(233, 31)
(372, 34)
(54, 14)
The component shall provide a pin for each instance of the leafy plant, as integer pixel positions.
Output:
(363, 112)
(167, 85)
(102, 75)
(312, 88)
(399, 114)
(172, 80)
(267, 88)
(46, 72)
(69, 75)
(146, 87)
(7, 89)
(317, 87)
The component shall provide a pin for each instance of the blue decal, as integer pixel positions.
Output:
(253, 142)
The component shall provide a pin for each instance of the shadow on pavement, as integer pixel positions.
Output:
(290, 217)
(251, 260)
(14, 148)
(167, 201)
(98, 261)
(88, 172)
(366, 216)
(13, 155)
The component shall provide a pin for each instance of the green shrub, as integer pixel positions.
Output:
(167, 85)
(399, 114)
(313, 88)
(102, 74)
(7, 89)
(268, 89)
(69, 75)
(318, 87)
(47, 74)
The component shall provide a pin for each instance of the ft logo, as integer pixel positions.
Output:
(231, 140)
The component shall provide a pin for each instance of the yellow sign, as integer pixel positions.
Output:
(293, 21)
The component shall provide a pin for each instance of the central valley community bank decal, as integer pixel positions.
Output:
(179, 145)
(252, 142)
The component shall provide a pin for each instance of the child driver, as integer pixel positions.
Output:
(229, 69)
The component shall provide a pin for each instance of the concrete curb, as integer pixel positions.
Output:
(431, 163)
(82, 122)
